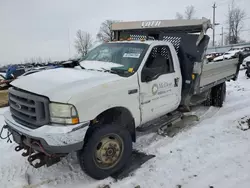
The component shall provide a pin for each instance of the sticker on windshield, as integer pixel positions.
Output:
(130, 70)
(132, 55)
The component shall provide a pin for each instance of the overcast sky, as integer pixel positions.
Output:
(45, 28)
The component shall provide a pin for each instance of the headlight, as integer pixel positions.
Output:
(63, 114)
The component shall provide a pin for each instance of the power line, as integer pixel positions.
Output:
(245, 30)
(247, 18)
(221, 2)
(248, 29)
(226, 2)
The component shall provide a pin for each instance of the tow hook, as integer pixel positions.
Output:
(42, 160)
(19, 148)
(38, 156)
(28, 151)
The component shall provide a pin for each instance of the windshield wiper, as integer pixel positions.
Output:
(81, 66)
(114, 71)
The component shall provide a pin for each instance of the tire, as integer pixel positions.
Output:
(219, 95)
(97, 148)
(209, 101)
(248, 73)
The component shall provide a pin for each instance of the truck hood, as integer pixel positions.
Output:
(61, 83)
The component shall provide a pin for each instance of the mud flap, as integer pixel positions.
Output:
(136, 161)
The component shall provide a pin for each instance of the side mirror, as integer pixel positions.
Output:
(149, 74)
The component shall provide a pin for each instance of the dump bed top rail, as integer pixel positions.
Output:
(187, 26)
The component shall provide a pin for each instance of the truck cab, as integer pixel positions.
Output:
(151, 66)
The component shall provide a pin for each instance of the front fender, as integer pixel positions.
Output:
(91, 103)
(90, 109)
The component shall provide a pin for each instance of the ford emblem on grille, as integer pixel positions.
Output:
(18, 106)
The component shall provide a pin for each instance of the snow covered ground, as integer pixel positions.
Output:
(213, 153)
(2, 73)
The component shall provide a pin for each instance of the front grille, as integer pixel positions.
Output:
(28, 109)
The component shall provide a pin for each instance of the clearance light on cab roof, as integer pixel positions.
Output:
(75, 120)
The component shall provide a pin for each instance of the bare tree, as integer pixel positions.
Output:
(189, 12)
(188, 15)
(36, 60)
(179, 16)
(105, 32)
(235, 19)
(83, 42)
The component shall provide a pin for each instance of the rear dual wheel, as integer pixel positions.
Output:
(219, 95)
(216, 96)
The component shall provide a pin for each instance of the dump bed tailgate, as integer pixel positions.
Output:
(220, 71)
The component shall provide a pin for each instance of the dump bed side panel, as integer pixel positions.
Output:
(217, 70)
(214, 72)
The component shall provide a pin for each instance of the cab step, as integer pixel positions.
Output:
(163, 121)
(175, 127)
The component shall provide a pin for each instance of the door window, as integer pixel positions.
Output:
(160, 57)
(159, 62)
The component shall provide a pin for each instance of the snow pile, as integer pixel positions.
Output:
(213, 153)
(244, 123)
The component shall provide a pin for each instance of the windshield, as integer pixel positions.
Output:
(122, 55)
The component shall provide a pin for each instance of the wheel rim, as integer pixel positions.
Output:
(108, 151)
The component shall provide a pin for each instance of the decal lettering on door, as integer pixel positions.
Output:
(159, 89)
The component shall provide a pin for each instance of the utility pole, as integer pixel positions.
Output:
(69, 41)
(214, 7)
(222, 36)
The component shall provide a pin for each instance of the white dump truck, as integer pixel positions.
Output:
(150, 74)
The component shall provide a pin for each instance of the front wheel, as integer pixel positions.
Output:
(106, 151)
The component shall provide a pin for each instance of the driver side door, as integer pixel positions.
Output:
(160, 86)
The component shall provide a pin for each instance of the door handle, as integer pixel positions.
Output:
(132, 91)
(176, 82)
